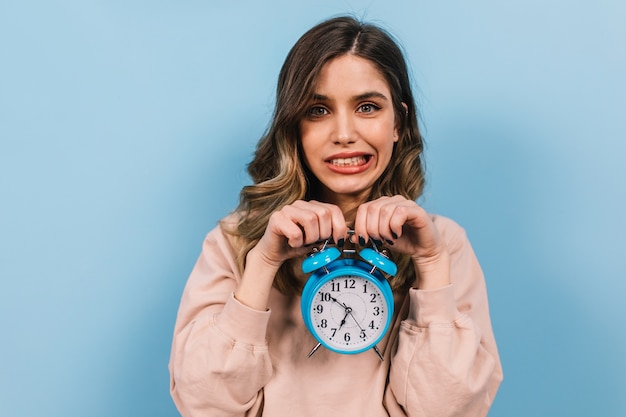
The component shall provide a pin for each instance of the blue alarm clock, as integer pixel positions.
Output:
(347, 303)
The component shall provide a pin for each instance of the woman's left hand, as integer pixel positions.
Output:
(405, 227)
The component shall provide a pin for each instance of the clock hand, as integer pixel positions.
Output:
(340, 303)
(347, 309)
(354, 318)
(363, 330)
(343, 321)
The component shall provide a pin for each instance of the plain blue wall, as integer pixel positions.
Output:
(126, 126)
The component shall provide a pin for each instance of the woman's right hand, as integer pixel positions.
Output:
(297, 225)
(288, 232)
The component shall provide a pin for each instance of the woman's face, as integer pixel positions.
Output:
(349, 131)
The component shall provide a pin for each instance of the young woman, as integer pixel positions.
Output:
(341, 161)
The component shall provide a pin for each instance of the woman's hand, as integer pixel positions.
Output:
(406, 228)
(299, 224)
(288, 232)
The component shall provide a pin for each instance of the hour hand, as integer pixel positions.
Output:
(343, 321)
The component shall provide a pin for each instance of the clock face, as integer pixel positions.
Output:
(349, 313)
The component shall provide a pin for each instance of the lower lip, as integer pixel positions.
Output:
(350, 169)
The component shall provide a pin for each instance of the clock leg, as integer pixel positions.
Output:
(378, 353)
(314, 350)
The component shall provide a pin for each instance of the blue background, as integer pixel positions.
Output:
(125, 129)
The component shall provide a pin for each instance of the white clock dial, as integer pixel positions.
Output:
(349, 313)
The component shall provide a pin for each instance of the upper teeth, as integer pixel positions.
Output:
(355, 160)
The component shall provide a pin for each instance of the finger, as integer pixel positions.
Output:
(331, 221)
(373, 217)
(319, 221)
(306, 220)
(324, 214)
(360, 224)
(389, 218)
(283, 225)
(410, 214)
(338, 224)
(366, 221)
(372, 220)
(418, 234)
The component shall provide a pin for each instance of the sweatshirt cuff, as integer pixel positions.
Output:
(432, 307)
(242, 323)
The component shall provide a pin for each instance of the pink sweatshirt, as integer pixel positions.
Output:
(230, 360)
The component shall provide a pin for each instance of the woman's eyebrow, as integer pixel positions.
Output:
(370, 94)
(358, 97)
(320, 97)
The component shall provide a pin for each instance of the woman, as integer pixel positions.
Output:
(343, 153)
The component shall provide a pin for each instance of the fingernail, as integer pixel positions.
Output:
(377, 242)
(361, 241)
(340, 242)
(389, 242)
(394, 235)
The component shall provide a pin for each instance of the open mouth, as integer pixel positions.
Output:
(350, 162)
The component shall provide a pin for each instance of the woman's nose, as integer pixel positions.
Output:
(345, 129)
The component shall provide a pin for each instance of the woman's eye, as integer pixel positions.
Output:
(368, 108)
(317, 111)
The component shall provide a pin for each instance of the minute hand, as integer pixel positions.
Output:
(363, 330)
(347, 309)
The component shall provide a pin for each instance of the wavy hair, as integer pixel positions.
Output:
(278, 171)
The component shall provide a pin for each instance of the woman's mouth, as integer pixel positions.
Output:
(348, 165)
(349, 162)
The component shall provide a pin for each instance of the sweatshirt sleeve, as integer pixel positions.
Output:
(446, 363)
(219, 360)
